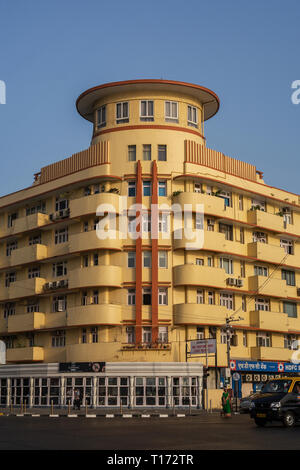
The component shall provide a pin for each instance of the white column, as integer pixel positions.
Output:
(94, 392)
(31, 391)
(62, 397)
(169, 392)
(131, 392)
(8, 397)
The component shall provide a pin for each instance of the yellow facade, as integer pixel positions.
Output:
(251, 234)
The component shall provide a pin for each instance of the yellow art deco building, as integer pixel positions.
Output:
(114, 315)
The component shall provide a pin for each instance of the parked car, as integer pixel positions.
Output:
(279, 400)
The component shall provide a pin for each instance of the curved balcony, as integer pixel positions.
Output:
(27, 322)
(86, 205)
(96, 276)
(212, 205)
(25, 224)
(265, 220)
(199, 314)
(273, 321)
(274, 287)
(91, 352)
(208, 241)
(89, 241)
(101, 314)
(271, 354)
(194, 275)
(25, 288)
(30, 354)
(25, 255)
(271, 254)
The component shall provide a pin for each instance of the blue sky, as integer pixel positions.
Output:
(247, 52)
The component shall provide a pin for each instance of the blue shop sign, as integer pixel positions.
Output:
(262, 366)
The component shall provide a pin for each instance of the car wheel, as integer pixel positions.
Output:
(260, 422)
(289, 419)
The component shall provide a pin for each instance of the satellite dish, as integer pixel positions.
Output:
(2, 352)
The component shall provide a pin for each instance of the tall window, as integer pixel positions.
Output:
(200, 296)
(101, 117)
(39, 207)
(290, 308)
(288, 246)
(192, 117)
(147, 152)
(131, 259)
(35, 239)
(10, 278)
(131, 296)
(197, 187)
(122, 112)
(162, 153)
(290, 342)
(131, 188)
(211, 298)
(163, 222)
(200, 333)
(33, 306)
(260, 271)
(162, 296)
(34, 272)
(262, 304)
(11, 218)
(59, 303)
(9, 309)
(226, 264)
(59, 339)
(61, 203)
(162, 334)
(260, 237)
(147, 259)
(10, 246)
(147, 296)
(146, 188)
(162, 259)
(259, 205)
(94, 334)
(227, 230)
(132, 153)
(59, 269)
(227, 300)
(162, 188)
(171, 110)
(227, 198)
(147, 110)
(61, 236)
(95, 298)
(146, 222)
(288, 276)
(147, 334)
(130, 330)
(263, 339)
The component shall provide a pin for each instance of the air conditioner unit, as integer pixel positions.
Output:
(54, 285)
(52, 217)
(231, 281)
(239, 282)
(64, 213)
(63, 283)
(48, 285)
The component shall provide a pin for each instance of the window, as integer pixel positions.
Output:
(227, 230)
(59, 303)
(10, 246)
(241, 203)
(34, 272)
(245, 339)
(200, 333)
(260, 271)
(10, 278)
(61, 204)
(83, 336)
(85, 226)
(59, 269)
(208, 190)
(288, 246)
(131, 224)
(35, 239)
(61, 236)
(226, 264)
(59, 339)
(147, 334)
(211, 298)
(162, 188)
(244, 303)
(101, 116)
(260, 237)
(146, 222)
(147, 297)
(33, 306)
(131, 259)
(263, 339)
(147, 259)
(122, 112)
(171, 111)
(84, 298)
(94, 333)
(147, 110)
(85, 261)
(200, 261)
(95, 298)
(200, 296)
(242, 265)
(130, 330)
(163, 223)
(287, 216)
(146, 188)
(162, 334)
(95, 259)
(96, 188)
(131, 153)
(290, 342)
(226, 300)
(210, 225)
(290, 308)
(131, 296)
(199, 221)
(162, 153)
(227, 198)
(223, 337)
(9, 309)
(147, 152)
(197, 187)
(11, 219)
(39, 207)
(162, 259)
(87, 191)
(259, 205)
(288, 276)
(131, 188)
(242, 235)
(192, 117)
(262, 304)
(162, 296)
(210, 261)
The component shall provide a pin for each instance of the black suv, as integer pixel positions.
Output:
(279, 400)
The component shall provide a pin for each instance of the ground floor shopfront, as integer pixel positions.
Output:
(112, 385)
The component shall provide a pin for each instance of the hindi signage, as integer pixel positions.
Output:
(203, 346)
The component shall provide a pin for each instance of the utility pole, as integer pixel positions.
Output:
(228, 329)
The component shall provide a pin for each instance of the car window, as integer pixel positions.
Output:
(296, 388)
(277, 386)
